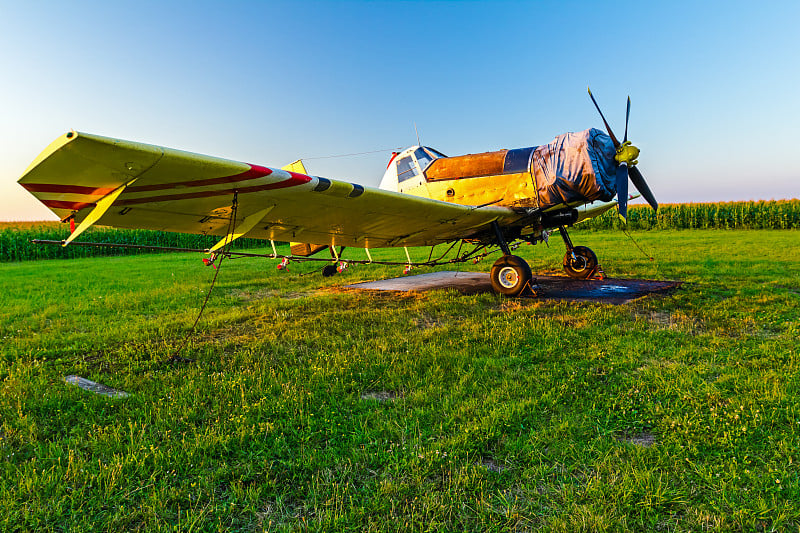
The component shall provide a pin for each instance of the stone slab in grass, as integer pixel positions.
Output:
(97, 388)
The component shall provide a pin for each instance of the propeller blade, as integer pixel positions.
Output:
(638, 181)
(627, 114)
(608, 128)
(622, 190)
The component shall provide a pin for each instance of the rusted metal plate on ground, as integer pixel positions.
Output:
(614, 291)
(609, 290)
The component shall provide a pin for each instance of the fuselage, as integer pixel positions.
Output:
(573, 169)
(502, 177)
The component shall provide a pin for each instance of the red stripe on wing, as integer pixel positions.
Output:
(296, 179)
(60, 204)
(255, 171)
(68, 189)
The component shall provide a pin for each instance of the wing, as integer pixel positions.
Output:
(99, 180)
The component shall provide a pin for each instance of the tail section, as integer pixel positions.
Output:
(297, 166)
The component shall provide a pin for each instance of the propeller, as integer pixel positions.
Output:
(622, 190)
(627, 115)
(626, 156)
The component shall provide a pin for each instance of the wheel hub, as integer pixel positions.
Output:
(579, 263)
(508, 277)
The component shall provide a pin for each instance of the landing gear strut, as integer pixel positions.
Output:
(580, 262)
(510, 274)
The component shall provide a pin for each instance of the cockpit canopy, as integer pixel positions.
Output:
(405, 170)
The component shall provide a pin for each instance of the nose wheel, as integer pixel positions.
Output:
(580, 262)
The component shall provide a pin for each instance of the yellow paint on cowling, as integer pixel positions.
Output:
(627, 153)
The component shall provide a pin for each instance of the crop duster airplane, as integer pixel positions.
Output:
(425, 198)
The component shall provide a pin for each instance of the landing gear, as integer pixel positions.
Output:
(579, 262)
(510, 275)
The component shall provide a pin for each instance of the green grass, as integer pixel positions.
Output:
(309, 407)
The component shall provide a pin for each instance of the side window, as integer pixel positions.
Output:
(406, 169)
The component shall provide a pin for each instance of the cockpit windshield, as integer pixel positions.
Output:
(435, 153)
(423, 158)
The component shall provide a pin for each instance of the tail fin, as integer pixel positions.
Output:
(297, 166)
(300, 248)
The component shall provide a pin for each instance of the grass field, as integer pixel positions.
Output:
(307, 407)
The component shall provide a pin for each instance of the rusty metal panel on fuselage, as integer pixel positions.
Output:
(466, 166)
(502, 177)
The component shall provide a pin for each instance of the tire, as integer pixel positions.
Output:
(510, 275)
(583, 265)
(329, 270)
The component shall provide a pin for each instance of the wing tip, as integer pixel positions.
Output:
(54, 146)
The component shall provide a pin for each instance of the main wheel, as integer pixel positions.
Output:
(582, 265)
(510, 275)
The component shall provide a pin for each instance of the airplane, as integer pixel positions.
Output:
(490, 201)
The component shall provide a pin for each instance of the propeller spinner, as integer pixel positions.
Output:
(626, 158)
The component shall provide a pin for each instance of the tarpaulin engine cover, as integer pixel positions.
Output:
(575, 167)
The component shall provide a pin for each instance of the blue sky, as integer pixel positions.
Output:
(715, 105)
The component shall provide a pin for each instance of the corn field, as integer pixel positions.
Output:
(773, 214)
(16, 245)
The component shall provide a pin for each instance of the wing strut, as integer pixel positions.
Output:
(99, 210)
(246, 225)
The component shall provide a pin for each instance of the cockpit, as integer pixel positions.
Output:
(406, 169)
